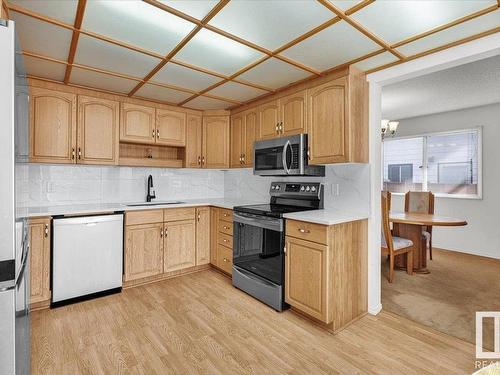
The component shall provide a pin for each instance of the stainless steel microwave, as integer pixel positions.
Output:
(284, 156)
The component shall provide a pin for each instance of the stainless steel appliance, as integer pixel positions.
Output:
(87, 257)
(285, 156)
(259, 240)
(14, 247)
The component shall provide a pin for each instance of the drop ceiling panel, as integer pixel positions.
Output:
(178, 75)
(333, 46)
(44, 68)
(162, 93)
(270, 23)
(101, 81)
(345, 4)
(463, 30)
(376, 61)
(274, 73)
(99, 54)
(41, 37)
(195, 8)
(64, 11)
(396, 20)
(136, 23)
(217, 53)
(202, 102)
(236, 91)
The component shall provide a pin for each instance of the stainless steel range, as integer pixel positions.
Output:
(259, 240)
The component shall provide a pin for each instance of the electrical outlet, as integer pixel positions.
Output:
(50, 187)
(335, 190)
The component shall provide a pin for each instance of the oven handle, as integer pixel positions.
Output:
(272, 224)
(283, 155)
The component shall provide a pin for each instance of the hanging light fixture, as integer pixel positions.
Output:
(389, 127)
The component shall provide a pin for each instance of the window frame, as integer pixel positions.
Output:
(424, 136)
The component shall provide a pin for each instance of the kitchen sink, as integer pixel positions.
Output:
(152, 203)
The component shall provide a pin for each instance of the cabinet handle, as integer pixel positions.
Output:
(73, 153)
(281, 127)
(224, 240)
(225, 215)
(158, 133)
(243, 156)
(277, 127)
(309, 153)
(198, 217)
(46, 231)
(165, 232)
(202, 160)
(199, 160)
(154, 134)
(304, 230)
(79, 153)
(225, 260)
(225, 227)
(161, 233)
(284, 250)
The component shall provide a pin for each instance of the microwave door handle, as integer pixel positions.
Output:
(285, 148)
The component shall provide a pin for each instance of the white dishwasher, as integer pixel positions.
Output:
(87, 257)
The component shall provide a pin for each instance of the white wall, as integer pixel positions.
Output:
(482, 234)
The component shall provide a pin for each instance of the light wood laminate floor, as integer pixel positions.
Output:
(199, 323)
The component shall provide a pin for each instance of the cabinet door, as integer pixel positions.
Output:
(306, 277)
(214, 220)
(215, 142)
(237, 135)
(193, 141)
(137, 124)
(98, 130)
(52, 126)
(170, 128)
(293, 117)
(143, 251)
(180, 245)
(202, 235)
(268, 120)
(251, 119)
(327, 123)
(39, 237)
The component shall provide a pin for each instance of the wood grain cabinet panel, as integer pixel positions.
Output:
(327, 127)
(143, 251)
(98, 130)
(225, 259)
(194, 134)
(306, 277)
(251, 120)
(39, 237)
(180, 245)
(215, 142)
(214, 230)
(137, 124)
(170, 128)
(202, 235)
(268, 120)
(237, 140)
(52, 126)
(293, 118)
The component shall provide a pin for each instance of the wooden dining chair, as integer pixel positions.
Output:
(421, 202)
(394, 246)
(388, 195)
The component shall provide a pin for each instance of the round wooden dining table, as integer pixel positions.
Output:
(409, 225)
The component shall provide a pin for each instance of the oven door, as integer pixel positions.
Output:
(258, 245)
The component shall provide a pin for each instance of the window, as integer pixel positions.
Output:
(444, 163)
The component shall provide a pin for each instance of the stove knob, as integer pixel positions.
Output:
(302, 188)
(308, 188)
(277, 187)
(313, 188)
(273, 187)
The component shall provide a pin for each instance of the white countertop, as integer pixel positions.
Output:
(325, 217)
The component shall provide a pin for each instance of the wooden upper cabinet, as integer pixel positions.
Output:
(293, 111)
(98, 130)
(251, 120)
(237, 140)
(137, 124)
(39, 237)
(268, 120)
(170, 128)
(52, 126)
(327, 127)
(215, 142)
(202, 235)
(193, 141)
(180, 245)
(143, 251)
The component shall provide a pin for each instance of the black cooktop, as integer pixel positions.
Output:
(273, 210)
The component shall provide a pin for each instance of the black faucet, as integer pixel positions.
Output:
(151, 190)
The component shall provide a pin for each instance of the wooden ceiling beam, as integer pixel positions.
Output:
(361, 29)
(80, 11)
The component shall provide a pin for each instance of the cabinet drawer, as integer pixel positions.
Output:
(226, 227)
(225, 259)
(143, 217)
(307, 231)
(225, 214)
(225, 240)
(175, 214)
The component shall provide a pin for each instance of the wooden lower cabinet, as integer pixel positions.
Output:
(39, 237)
(214, 220)
(225, 259)
(327, 281)
(180, 245)
(202, 235)
(143, 251)
(221, 242)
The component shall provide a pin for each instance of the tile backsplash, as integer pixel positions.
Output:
(347, 186)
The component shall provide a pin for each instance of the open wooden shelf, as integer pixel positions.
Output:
(138, 155)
